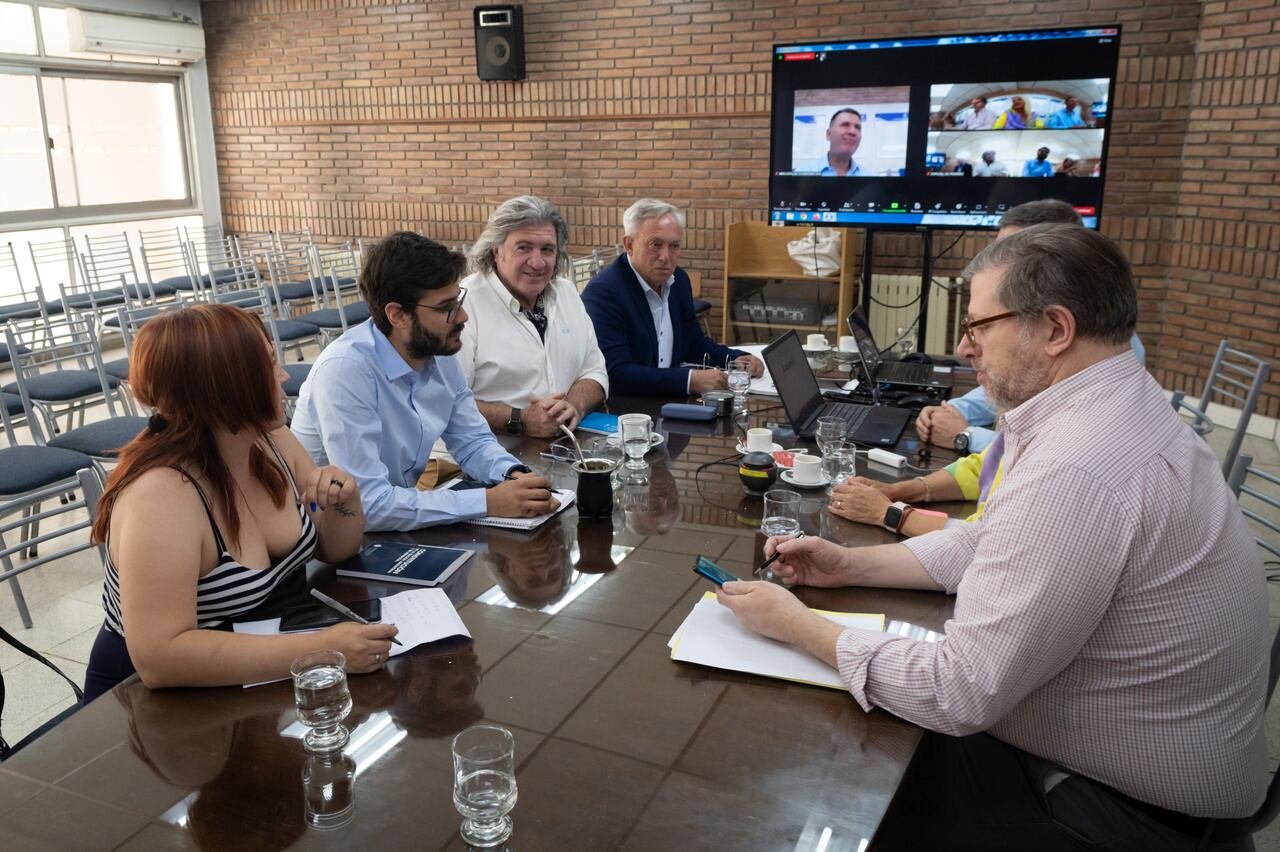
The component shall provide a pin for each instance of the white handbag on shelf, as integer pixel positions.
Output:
(817, 252)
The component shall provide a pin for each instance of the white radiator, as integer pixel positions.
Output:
(905, 290)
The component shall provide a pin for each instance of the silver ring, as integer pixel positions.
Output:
(377, 658)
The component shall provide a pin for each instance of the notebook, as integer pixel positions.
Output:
(878, 425)
(565, 496)
(417, 564)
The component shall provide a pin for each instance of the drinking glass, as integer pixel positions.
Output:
(739, 383)
(484, 783)
(781, 513)
(829, 429)
(322, 698)
(635, 441)
(838, 459)
(328, 790)
(906, 341)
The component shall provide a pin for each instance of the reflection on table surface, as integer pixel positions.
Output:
(617, 746)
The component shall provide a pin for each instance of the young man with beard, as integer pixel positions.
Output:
(1102, 681)
(380, 396)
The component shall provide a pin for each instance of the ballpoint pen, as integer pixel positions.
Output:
(774, 558)
(334, 605)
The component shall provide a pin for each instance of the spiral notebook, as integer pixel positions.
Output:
(565, 496)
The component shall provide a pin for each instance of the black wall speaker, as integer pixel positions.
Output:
(499, 42)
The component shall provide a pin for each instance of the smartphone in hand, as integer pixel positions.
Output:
(712, 571)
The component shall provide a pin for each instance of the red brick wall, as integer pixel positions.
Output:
(357, 117)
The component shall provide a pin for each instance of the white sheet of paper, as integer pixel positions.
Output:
(711, 635)
(423, 615)
(762, 386)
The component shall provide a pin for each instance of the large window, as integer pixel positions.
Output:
(85, 136)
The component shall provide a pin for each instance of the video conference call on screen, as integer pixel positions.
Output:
(942, 132)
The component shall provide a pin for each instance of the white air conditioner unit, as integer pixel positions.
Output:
(100, 32)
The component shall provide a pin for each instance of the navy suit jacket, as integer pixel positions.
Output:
(624, 329)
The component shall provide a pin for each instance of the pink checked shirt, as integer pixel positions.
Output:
(1111, 611)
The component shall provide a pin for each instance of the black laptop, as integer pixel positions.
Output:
(876, 425)
(915, 377)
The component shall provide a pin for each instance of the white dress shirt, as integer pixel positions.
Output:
(660, 307)
(979, 119)
(502, 356)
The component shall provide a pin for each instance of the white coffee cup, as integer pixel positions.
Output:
(848, 343)
(817, 341)
(806, 469)
(759, 441)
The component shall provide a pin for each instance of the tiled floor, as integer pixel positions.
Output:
(65, 602)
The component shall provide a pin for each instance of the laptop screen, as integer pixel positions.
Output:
(793, 377)
(866, 342)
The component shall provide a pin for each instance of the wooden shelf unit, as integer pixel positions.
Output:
(757, 252)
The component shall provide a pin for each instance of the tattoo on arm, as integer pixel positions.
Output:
(343, 510)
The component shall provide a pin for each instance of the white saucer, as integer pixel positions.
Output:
(741, 447)
(788, 476)
(656, 439)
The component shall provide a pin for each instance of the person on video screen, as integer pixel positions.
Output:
(844, 135)
(981, 117)
(1040, 166)
(1067, 117)
(989, 166)
(1018, 117)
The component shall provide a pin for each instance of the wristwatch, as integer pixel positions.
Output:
(519, 467)
(893, 516)
(514, 424)
(961, 443)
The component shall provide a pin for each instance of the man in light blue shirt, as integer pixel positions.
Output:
(1067, 117)
(1040, 166)
(844, 135)
(380, 396)
(968, 415)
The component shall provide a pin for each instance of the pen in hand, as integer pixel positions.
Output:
(344, 610)
(764, 566)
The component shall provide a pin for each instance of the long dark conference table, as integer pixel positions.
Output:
(617, 746)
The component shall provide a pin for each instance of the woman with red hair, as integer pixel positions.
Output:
(210, 509)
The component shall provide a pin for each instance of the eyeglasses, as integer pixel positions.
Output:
(967, 325)
(450, 312)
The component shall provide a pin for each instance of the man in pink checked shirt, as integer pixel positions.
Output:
(1102, 681)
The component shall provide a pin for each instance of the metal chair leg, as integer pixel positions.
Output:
(18, 598)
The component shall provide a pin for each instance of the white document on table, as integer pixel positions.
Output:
(762, 386)
(423, 615)
(711, 635)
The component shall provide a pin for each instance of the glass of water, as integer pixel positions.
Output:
(635, 440)
(838, 458)
(829, 429)
(739, 383)
(484, 783)
(781, 513)
(906, 340)
(322, 698)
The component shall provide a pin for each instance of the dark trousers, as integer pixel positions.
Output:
(978, 793)
(109, 663)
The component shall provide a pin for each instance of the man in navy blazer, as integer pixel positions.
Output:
(642, 310)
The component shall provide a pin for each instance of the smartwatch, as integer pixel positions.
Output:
(514, 424)
(961, 443)
(519, 467)
(893, 516)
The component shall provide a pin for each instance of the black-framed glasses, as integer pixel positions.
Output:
(968, 325)
(450, 312)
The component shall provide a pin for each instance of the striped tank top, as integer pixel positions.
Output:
(230, 589)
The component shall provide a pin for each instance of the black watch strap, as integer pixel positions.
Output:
(520, 468)
(514, 424)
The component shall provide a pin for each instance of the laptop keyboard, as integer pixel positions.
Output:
(852, 415)
(916, 374)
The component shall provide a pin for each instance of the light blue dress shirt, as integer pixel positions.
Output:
(1038, 168)
(1064, 119)
(980, 413)
(364, 409)
(823, 168)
